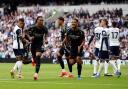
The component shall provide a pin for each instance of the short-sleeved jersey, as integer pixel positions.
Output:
(114, 37)
(38, 34)
(104, 33)
(17, 42)
(75, 37)
(63, 32)
(97, 33)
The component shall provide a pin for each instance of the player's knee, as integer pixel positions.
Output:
(19, 58)
(118, 61)
(78, 60)
(113, 57)
(71, 61)
(95, 63)
(37, 59)
(38, 54)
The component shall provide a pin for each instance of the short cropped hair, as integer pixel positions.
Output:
(61, 18)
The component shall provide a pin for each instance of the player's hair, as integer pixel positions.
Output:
(21, 19)
(61, 18)
(114, 24)
(38, 18)
(76, 19)
(105, 21)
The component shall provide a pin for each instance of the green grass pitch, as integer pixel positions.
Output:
(48, 78)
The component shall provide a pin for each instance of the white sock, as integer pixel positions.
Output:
(95, 66)
(19, 67)
(112, 62)
(105, 67)
(100, 68)
(15, 66)
(118, 64)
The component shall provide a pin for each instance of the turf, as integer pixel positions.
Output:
(48, 79)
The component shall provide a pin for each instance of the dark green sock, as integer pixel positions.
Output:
(79, 68)
(61, 62)
(37, 64)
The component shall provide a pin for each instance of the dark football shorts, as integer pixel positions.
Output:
(114, 50)
(74, 52)
(19, 52)
(64, 51)
(103, 55)
(36, 48)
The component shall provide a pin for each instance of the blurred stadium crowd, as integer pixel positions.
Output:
(87, 22)
(58, 2)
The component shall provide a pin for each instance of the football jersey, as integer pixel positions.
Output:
(38, 34)
(75, 37)
(114, 37)
(104, 32)
(63, 32)
(97, 33)
(17, 42)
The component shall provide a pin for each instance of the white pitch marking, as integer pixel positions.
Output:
(34, 82)
(13, 81)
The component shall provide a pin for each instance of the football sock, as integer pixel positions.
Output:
(37, 68)
(118, 64)
(61, 62)
(19, 65)
(15, 66)
(95, 67)
(69, 66)
(112, 62)
(105, 67)
(79, 68)
(100, 68)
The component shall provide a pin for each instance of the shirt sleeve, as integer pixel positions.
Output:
(46, 31)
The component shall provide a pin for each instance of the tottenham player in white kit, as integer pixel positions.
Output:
(114, 46)
(103, 49)
(18, 47)
(97, 35)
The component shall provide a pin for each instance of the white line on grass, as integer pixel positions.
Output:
(36, 82)
(44, 82)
